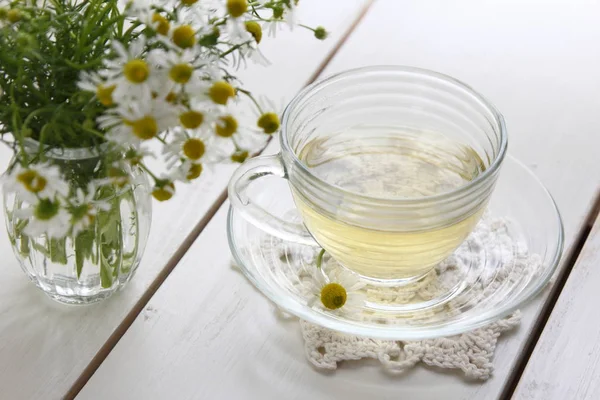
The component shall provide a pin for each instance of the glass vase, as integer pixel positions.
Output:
(101, 259)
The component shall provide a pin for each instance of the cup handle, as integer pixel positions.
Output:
(256, 168)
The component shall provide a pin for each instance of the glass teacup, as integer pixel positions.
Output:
(390, 169)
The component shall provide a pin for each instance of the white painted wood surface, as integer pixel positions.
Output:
(566, 361)
(44, 347)
(207, 334)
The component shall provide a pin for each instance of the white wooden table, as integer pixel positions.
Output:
(190, 327)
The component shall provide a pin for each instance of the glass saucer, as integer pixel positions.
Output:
(505, 262)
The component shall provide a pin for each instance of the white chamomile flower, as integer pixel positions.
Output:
(118, 174)
(183, 68)
(337, 291)
(48, 217)
(197, 116)
(185, 33)
(141, 121)
(244, 138)
(131, 74)
(36, 181)
(266, 114)
(236, 32)
(139, 9)
(218, 93)
(248, 52)
(133, 156)
(271, 28)
(247, 131)
(84, 208)
(163, 189)
(186, 171)
(197, 10)
(190, 145)
(256, 56)
(291, 14)
(275, 23)
(92, 82)
(155, 21)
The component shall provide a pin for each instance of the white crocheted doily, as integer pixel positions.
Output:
(492, 243)
(470, 352)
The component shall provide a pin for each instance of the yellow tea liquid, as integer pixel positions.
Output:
(399, 166)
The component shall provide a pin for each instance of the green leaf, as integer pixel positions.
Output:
(105, 272)
(24, 246)
(40, 249)
(58, 250)
(20, 226)
(84, 248)
(79, 259)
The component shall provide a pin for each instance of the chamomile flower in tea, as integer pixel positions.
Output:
(334, 291)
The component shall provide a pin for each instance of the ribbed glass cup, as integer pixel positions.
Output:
(384, 238)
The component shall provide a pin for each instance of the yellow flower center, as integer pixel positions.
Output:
(239, 156)
(333, 296)
(32, 181)
(191, 119)
(171, 97)
(164, 192)
(184, 37)
(118, 176)
(269, 122)
(181, 73)
(220, 92)
(194, 172)
(237, 8)
(144, 128)
(161, 23)
(193, 148)
(188, 2)
(136, 71)
(255, 30)
(104, 94)
(13, 16)
(226, 126)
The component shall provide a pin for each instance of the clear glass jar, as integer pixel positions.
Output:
(102, 258)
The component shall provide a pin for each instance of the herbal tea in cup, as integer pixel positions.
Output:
(390, 169)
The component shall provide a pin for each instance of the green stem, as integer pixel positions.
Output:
(307, 27)
(92, 63)
(36, 113)
(234, 48)
(235, 143)
(319, 260)
(249, 95)
(142, 166)
(92, 131)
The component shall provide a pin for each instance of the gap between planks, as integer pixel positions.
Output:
(570, 259)
(114, 338)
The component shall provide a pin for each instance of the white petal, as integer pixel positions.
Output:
(120, 49)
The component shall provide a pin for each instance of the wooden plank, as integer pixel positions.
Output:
(45, 347)
(566, 361)
(206, 326)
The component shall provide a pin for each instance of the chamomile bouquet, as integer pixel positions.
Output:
(119, 83)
